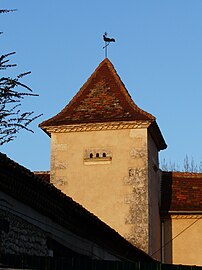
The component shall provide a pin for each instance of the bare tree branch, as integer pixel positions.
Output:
(189, 165)
(12, 120)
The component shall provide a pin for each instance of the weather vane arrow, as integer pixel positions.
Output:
(107, 41)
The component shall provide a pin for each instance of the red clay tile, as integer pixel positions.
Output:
(181, 191)
(103, 98)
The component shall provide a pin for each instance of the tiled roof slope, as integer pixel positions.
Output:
(103, 98)
(44, 175)
(24, 186)
(181, 191)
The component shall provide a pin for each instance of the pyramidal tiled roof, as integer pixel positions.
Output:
(103, 98)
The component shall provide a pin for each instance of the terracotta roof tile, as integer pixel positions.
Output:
(44, 175)
(103, 98)
(181, 191)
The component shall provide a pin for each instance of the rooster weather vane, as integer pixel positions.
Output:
(107, 41)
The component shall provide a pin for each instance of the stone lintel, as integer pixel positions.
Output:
(97, 161)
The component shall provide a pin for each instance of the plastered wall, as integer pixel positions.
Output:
(186, 232)
(115, 187)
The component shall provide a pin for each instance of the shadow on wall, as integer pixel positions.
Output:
(166, 233)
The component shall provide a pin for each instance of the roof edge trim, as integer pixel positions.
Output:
(97, 126)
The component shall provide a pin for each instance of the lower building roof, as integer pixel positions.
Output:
(181, 191)
(30, 189)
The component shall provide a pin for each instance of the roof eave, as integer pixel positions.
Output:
(44, 128)
(157, 136)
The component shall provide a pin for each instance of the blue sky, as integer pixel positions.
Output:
(158, 55)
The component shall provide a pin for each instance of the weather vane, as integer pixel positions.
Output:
(107, 42)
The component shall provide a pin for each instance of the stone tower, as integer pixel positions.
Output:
(104, 154)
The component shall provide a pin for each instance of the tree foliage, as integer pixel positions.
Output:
(12, 92)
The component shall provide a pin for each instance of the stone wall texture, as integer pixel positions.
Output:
(138, 199)
(21, 237)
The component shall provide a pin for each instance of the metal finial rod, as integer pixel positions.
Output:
(105, 47)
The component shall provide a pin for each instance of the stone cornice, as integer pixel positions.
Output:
(184, 216)
(96, 126)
